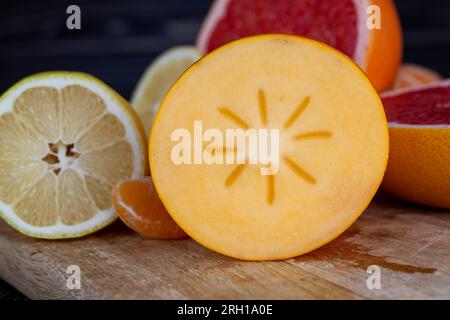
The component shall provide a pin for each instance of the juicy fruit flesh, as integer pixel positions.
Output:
(60, 154)
(140, 208)
(333, 152)
(429, 106)
(329, 21)
(419, 134)
(157, 80)
(410, 75)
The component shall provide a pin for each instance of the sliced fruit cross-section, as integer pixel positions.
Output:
(332, 151)
(419, 134)
(368, 31)
(65, 140)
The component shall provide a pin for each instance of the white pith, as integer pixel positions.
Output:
(113, 106)
(362, 39)
(216, 12)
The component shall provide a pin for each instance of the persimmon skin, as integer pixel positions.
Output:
(138, 205)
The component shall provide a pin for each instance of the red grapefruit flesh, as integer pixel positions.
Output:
(244, 18)
(341, 24)
(419, 138)
(421, 105)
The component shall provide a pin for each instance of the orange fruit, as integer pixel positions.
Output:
(410, 75)
(139, 207)
(419, 134)
(328, 147)
(347, 25)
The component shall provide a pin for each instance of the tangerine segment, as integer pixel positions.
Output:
(140, 208)
(325, 179)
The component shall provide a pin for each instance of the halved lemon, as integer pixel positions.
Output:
(66, 139)
(158, 78)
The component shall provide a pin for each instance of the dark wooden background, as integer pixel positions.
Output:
(119, 38)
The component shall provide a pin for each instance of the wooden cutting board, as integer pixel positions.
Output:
(411, 246)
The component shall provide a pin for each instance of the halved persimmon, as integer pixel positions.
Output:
(331, 154)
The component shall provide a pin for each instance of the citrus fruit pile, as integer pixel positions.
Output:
(343, 25)
(306, 73)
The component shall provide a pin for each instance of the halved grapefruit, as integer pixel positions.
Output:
(341, 24)
(419, 134)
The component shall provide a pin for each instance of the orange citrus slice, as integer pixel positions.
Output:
(140, 208)
(66, 139)
(329, 161)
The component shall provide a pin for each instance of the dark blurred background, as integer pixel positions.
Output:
(119, 38)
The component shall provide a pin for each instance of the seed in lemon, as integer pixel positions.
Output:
(66, 139)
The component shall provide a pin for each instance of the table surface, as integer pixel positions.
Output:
(409, 244)
(9, 293)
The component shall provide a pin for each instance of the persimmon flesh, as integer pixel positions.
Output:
(333, 147)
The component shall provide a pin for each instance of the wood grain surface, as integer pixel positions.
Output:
(411, 245)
